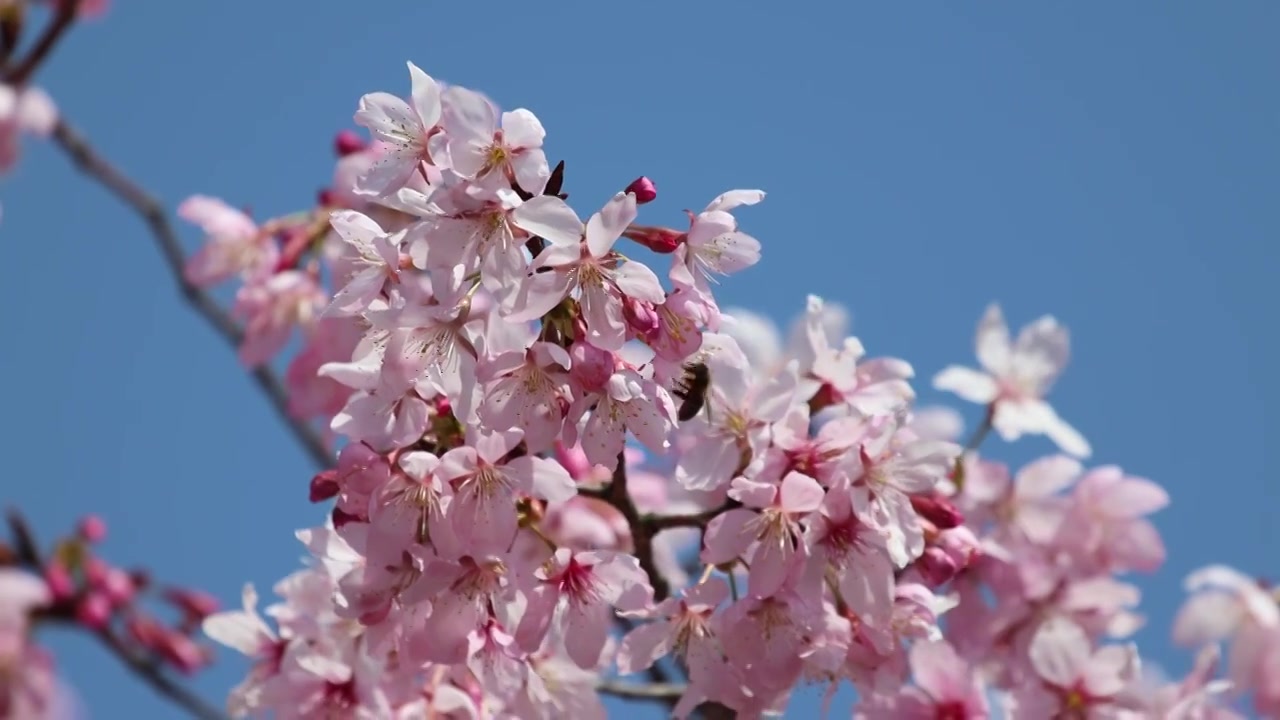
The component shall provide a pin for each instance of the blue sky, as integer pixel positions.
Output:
(1114, 165)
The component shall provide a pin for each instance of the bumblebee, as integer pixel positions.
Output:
(692, 389)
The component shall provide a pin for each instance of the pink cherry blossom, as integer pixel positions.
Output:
(404, 130)
(272, 309)
(479, 147)
(601, 279)
(23, 110)
(234, 246)
(946, 687)
(591, 584)
(1017, 378)
(377, 261)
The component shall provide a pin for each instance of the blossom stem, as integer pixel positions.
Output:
(88, 161)
(975, 441)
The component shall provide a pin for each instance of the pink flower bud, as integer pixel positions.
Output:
(936, 566)
(119, 586)
(182, 652)
(640, 316)
(961, 545)
(194, 604)
(58, 578)
(348, 142)
(145, 631)
(659, 240)
(328, 197)
(95, 571)
(93, 529)
(937, 510)
(574, 460)
(644, 190)
(94, 611)
(341, 517)
(324, 486)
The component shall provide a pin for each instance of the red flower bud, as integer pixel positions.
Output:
(659, 240)
(644, 190)
(93, 529)
(937, 510)
(348, 142)
(324, 486)
(94, 611)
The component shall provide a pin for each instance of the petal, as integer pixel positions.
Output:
(1067, 437)
(522, 129)
(547, 479)
(1132, 498)
(644, 646)
(1047, 476)
(801, 493)
(1207, 617)
(1059, 652)
(426, 97)
(388, 117)
(1040, 353)
(538, 613)
(735, 198)
(993, 347)
(727, 537)
(969, 384)
(538, 294)
(550, 218)
(602, 311)
(468, 117)
(939, 671)
(36, 112)
(532, 171)
(605, 227)
(729, 252)
(586, 630)
(636, 280)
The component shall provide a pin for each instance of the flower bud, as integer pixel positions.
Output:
(94, 611)
(341, 517)
(196, 605)
(118, 585)
(182, 652)
(93, 529)
(936, 566)
(573, 460)
(58, 578)
(659, 240)
(348, 142)
(640, 316)
(644, 190)
(937, 510)
(324, 486)
(328, 197)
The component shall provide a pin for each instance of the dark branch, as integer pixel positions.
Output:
(657, 523)
(153, 214)
(53, 32)
(618, 496)
(648, 691)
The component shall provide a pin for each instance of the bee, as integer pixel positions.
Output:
(692, 389)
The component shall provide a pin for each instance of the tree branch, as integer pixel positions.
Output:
(88, 161)
(618, 496)
(636, 691)
(53, 32)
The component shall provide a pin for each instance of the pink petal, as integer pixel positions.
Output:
(551, 218)
(727, 536)
(605, 227)
(642, 647)
(1059, 652)
(993, 347)
(969, 384)
(426, 97)
(801, 493)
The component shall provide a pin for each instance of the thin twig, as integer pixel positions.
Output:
(53, 32)
(636, 691)
(656, 523)
(152, 212)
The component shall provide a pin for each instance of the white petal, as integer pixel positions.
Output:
(969, 384)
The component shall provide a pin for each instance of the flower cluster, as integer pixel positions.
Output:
(75, 586)
(500, 545)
